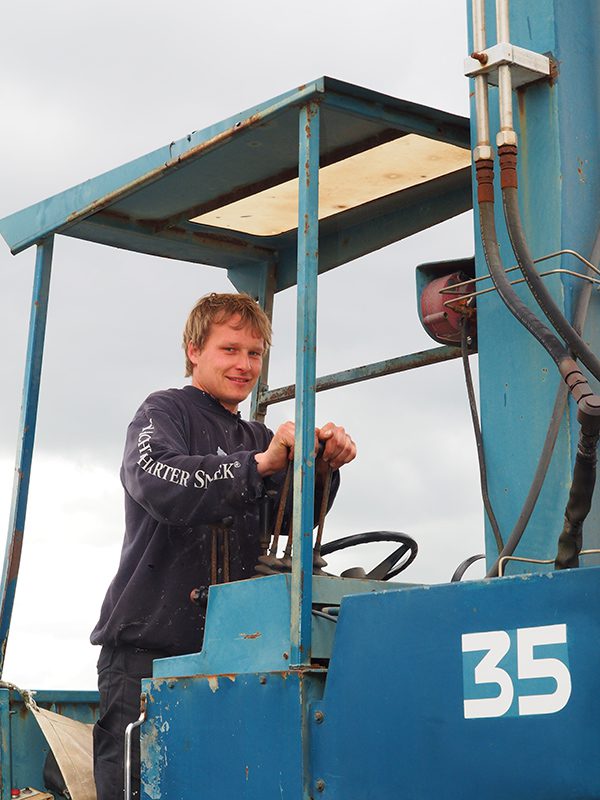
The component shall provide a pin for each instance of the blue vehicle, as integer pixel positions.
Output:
(357, 686)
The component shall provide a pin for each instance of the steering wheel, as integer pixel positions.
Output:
(405, 554)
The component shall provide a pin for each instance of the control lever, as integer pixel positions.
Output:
(318, 560)
(269, 564)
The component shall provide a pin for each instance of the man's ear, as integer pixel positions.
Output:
(193, 352)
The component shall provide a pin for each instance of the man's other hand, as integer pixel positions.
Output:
(339, 448)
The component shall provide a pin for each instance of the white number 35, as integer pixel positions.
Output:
(497, 644)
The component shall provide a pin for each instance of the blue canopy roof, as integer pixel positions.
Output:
(150, 204)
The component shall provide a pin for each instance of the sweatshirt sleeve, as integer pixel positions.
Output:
(177, 488)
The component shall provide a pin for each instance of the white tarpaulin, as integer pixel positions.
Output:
(71, 743)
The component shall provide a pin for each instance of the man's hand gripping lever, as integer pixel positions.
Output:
(334, 448)
(584, 472)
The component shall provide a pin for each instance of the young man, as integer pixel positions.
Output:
(190, 462)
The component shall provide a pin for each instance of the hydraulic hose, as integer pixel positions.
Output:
(575, 381)
(580, 496)
(478, 438)
(539, 290)
(560, 403)
(462, 568)
(510, 298)
(538, 480)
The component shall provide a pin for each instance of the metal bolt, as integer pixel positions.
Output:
(319, 717)
(262, 679)
(320, 784)
(170, 684)
(286, 656)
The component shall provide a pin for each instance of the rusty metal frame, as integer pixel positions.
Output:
(377, 369)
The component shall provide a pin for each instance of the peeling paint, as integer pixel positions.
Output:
(213, 682)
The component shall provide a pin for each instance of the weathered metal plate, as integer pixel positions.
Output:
(415, 711)
(227, 736)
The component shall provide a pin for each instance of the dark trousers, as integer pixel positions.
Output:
(120, 671)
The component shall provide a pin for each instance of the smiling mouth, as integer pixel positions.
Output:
(241, 381)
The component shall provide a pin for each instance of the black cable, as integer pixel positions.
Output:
(462, 568)
(324, 615)
(539, 477)
(487, 503)
(514, 225)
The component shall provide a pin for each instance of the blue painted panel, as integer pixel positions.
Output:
(394, 721)
(248, 625)
(231, 736)
(24, 748)
(247, 630)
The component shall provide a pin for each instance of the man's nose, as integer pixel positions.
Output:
(243, 361)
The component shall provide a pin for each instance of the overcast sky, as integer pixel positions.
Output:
(87, 87)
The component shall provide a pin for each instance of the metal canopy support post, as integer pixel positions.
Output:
(31, 390)
(306, 341)
(265, 299)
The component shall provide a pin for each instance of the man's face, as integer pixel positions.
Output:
(229, 364)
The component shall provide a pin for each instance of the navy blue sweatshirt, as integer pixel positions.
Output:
(188, 463)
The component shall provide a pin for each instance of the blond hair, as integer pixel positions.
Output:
(216, 309)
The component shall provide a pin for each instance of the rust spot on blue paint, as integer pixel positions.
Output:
(250, 635)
